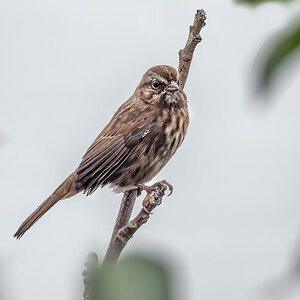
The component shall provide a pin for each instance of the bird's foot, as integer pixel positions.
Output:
(150, 189)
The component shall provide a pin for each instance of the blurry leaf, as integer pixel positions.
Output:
(277, 51)
(255, 2)
(133, 278)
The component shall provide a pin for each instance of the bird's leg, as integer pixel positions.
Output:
(150, 189)
(153, 194)
(145, 202)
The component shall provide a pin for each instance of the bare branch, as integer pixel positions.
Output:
(91, 266)
(125, 229)
(126, 233)
(186, 55)
(124, 214)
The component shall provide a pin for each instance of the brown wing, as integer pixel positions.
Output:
(109, 151)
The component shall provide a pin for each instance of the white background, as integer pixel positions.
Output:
(232, 225)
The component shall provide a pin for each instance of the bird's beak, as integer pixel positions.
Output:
(172, 87)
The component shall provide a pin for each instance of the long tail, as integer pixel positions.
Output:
(65, 190)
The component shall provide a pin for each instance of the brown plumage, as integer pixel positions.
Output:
(134, 146)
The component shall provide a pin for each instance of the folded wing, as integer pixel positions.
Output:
(107, 154)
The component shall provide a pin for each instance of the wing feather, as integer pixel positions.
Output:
(104, 151)
(107, 154)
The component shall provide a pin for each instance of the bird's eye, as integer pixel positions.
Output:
(155, 84)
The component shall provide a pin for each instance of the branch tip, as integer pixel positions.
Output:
(186, 54)
(124, 228)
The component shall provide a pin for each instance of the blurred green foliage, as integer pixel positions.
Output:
(138, 277)
(276, 51)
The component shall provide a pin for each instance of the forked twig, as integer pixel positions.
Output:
(125, 229)
(125, 233)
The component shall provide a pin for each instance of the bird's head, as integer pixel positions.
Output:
(159, 85)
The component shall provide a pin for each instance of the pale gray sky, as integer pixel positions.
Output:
(65, 67)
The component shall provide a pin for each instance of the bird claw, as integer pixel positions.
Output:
(169, 185)
(150, 189)
(146, 210)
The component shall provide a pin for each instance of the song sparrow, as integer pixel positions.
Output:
(134, 146)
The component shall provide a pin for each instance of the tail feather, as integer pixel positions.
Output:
(65, 190)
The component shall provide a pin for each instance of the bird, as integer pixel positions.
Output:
(138, 141)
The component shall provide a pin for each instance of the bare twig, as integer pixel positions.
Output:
(186, 55)
(124, 230)
(126, 233)
(123, 217)
(91, 266)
